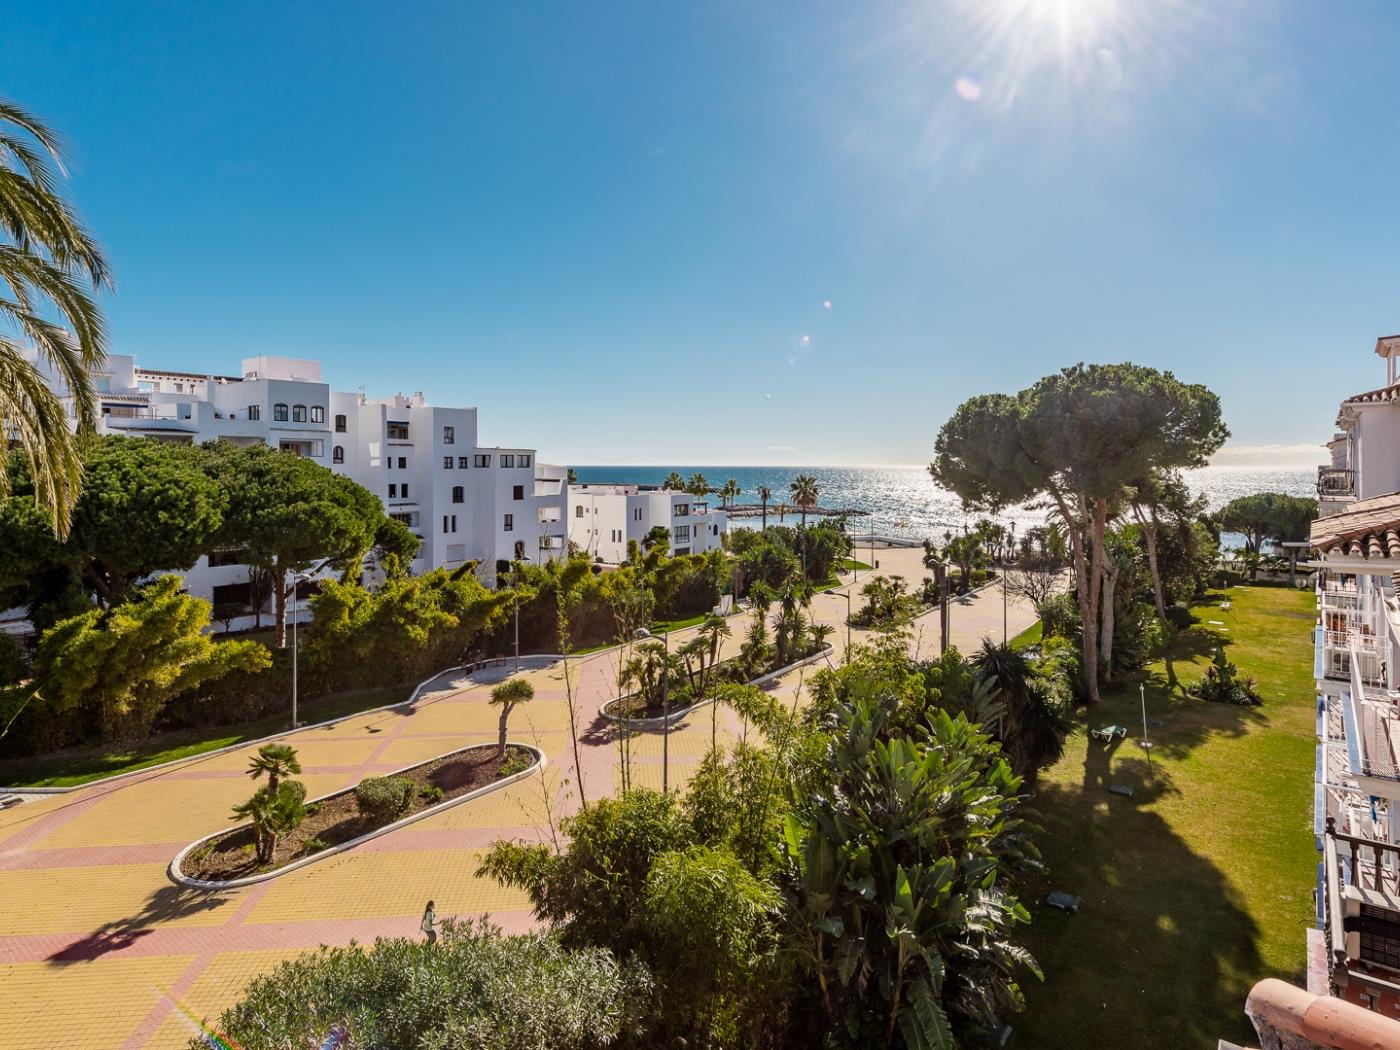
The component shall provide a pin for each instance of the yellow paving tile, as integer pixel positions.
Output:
(80, 900)
(87, 1004)
(22, 817)
(369, 885)
(311, 753)
(166, 810)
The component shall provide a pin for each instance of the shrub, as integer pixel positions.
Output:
(473, 988)
(314, 846)
(431, 794)
(1179, 616)
(384, 799)
(516, 762)
(1223, 685)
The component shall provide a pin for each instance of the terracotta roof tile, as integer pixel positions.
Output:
(1369, 529)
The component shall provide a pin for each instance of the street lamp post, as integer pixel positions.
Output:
(641, 634)
(297, 580)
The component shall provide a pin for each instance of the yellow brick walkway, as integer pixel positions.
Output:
(99, 948)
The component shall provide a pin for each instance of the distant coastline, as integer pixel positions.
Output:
(904, 501)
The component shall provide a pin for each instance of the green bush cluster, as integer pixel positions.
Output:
(474, 988)
(383, 800)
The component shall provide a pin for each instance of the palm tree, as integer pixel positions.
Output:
(674, 482)
(46, 256)
(506, 696)
(274, 761)
(1030, 722)
(713, 630)
(698, 485)
(729, 492)
(764, 495)
(572, 476)
(804, 493)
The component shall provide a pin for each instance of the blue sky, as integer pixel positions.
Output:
(617, 228)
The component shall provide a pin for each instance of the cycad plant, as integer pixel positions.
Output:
(49, 265)
(278, 807)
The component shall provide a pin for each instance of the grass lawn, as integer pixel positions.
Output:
(659, 627)
(847, 564)
(1200, 884)
(81, 765)
(1030, 636)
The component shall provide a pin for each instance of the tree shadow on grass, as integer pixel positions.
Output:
(1162, 953)
(165, 904)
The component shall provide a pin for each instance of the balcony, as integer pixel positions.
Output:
(1361, 909)
(551, 515)
(551, 543)
(1335, 482)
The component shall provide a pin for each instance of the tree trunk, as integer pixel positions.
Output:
(279, 604)
(1096, 574)
(1110, 588)
(1149, 535)
(1087, 619)
(501, 740)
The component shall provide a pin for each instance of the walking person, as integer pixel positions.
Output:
(430, 923)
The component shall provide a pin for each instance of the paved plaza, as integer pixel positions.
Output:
(98, 947)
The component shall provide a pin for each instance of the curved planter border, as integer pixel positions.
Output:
(762, 680)
(178, 876)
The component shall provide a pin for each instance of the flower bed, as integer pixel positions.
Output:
(228, 857)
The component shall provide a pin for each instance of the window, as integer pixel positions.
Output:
(393, 491)
(510, 523)
(1380, 937)
(463, 462)
(234, 594)
(483, 460)
(403, 490)
(578, 511)
(397, 431)
(338, 454)
(449, 434)
(637, 514)
(714, 530)
(458, 494)
(403, 462)
(279, 413)
(318, 414)
(255, 412)
(388, 462)
(339, 424)
(446, 462)
(682, 534)
(519, 549)
(507, 460)
(518, 492)
(227, 557)
(522, 460)
(449, 523)
(298, 413)
(682, 510)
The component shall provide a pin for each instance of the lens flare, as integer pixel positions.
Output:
(969, 88)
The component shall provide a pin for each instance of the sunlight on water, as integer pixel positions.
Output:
(904, 500)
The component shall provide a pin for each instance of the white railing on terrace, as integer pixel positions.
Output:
(1363, 640)
(1334, 481)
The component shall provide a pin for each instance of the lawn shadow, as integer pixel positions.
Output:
(165, 904)
(1162, 949)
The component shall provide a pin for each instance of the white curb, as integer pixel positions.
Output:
(181, 878)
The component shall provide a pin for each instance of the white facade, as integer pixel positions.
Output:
(603, 518)
(464, 501)
(1357, 670)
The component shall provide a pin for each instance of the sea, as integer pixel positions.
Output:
(903, 501)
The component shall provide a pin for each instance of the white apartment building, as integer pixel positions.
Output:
(1354, 951)
(465, 501)
(603, 518)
